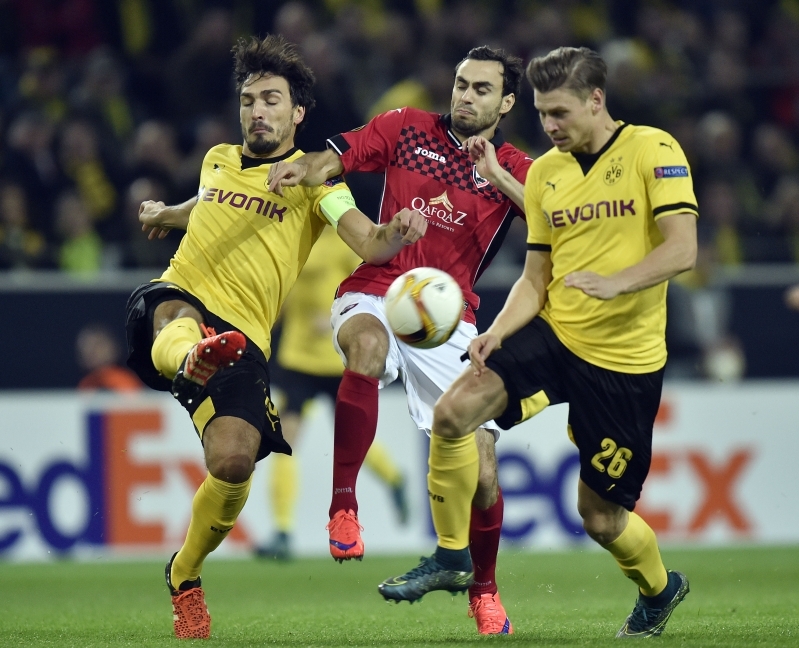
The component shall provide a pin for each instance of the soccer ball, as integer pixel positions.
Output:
(423, 307)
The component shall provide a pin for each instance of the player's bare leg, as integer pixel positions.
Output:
(231, 446)
(364, 341)
(453, 482)
(485, 605)
(633, 544)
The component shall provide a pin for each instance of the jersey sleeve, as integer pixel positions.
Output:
(518, 164)
(539, 232)
(667, 176)
(370, 147)
(332, 200)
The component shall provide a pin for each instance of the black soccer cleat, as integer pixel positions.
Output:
(428, 576)
(645, 621)
(279, 549)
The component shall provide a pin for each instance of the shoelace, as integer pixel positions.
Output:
(208, 331)
(427, 566)
(640, 616)
(334, 526)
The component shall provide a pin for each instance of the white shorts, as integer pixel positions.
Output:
(426, 373)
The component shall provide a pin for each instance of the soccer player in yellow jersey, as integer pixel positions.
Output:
(202, 330)
(611, 217)
(307, 367)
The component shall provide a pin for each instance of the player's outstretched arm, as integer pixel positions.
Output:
(311, 170)
(525, 300)
(484, 155)
(676, 254)
(158, 219)
(379, 244)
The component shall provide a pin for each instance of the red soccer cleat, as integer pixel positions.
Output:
(491, 617)
(345, 536)
(211, 354)
(189, 612)
(205, 358)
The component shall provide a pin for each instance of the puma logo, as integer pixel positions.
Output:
(669, 146)
(552, 184)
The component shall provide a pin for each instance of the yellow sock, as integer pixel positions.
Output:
(636, 551)
(283, 488)
(173, 343)
(214, 510)
(379, 462)
(452, 483)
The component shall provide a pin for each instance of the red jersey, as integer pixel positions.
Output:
(426, 170)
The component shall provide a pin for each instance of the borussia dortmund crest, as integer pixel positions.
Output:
(614, 172)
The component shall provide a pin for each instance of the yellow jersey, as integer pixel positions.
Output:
(306, 340)
(598, 212)
(245, 246)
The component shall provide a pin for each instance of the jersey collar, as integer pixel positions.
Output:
(588, 160)
(248, 162)
(498, 139)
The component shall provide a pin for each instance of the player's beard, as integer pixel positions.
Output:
(262, 143)
(476, 124)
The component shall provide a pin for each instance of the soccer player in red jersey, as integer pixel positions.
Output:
(460, 173)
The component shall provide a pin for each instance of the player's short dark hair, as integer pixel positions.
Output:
(578, 69)
(512, 66)
(274, 56)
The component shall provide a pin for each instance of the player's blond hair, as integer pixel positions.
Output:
(578, 69)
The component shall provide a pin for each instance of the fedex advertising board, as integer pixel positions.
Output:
(84, 475)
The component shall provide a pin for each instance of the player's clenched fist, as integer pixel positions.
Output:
(151, 217)
(410, 224)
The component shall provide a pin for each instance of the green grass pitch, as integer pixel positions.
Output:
(739, 597)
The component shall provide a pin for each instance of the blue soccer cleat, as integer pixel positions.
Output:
(645, 621)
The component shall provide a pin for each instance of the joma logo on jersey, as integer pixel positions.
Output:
(590, 211)
(430, 154)
(243, 201)
(439, 207)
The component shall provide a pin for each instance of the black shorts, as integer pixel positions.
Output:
(298, 387)
(242, 390)
(611, 414)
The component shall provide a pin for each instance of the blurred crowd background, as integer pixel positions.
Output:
(105, 103)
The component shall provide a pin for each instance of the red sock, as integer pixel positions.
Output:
(483, 546)
(355, 429)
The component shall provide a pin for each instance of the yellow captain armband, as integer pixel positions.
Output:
(335, 205)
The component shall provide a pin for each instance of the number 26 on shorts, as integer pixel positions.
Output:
(618, 458)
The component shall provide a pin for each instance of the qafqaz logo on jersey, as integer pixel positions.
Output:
(479, 181)
(441, 209)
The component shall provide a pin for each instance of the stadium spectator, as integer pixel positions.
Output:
(21, 246)
(31, 163)
(91, 174)
(81, 249)
(98, 354)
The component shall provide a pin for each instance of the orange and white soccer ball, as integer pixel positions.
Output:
(423, 307)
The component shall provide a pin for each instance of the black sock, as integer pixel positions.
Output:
(454, 559)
